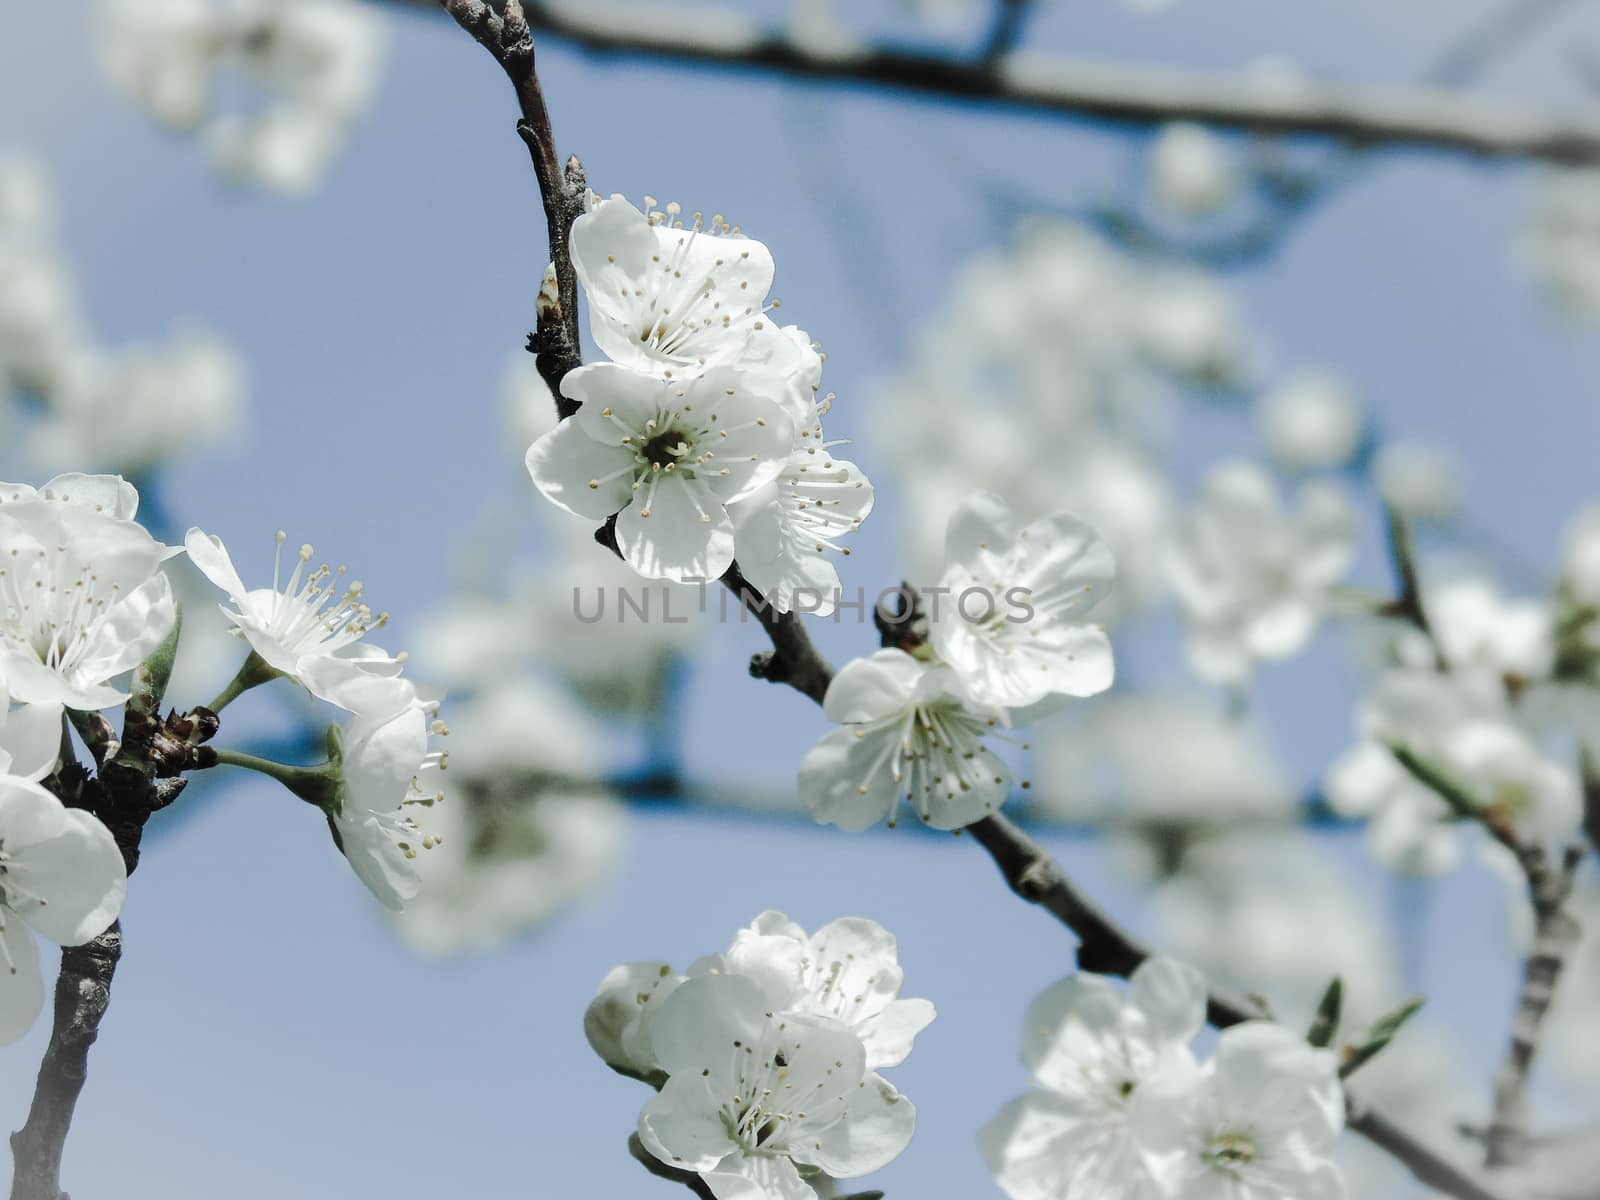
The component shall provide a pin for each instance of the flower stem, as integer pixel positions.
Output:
(315, 785)
(255, 671)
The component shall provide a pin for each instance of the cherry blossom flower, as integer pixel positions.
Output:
(1007, 623)
(753, 1095)
(1091, 1054)
(62, 876)
(908, 730)
(665, 456)
(30, 738)
(1423, 482)
(1253, 580)
(670, 300)
(1477, 628)
(1310, 422)
(1409, 827)
(82, 595)
(1260, 1120)
(1190, 170)
(617, 1021)
(314, 619)
(848, 970)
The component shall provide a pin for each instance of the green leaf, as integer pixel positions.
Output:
(1383, 1032)
(1325, 1026)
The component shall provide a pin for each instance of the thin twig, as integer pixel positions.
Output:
(1118, 94)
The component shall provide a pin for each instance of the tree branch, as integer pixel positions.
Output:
(1117, 94)
(794, 660)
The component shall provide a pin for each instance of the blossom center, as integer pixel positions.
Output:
(1232, 1150)
(44, 607)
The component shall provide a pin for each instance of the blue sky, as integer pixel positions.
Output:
(267, 1037)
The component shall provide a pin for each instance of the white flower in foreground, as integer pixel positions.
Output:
(1259, 1121)
(753, 1094)
(1006, 624)
(617, 1021)
(1253, 580)
(314, 619)
(849, 970)
(1311, 422)
(61, 875)
(907, 731)
(30, 738)
(1091, 1053)
(385, 778)
(669, 300)
(666, 456)
(82, 595)
(1190, 170)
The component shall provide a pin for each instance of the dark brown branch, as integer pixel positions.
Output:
(1119, 94)
(794, 660)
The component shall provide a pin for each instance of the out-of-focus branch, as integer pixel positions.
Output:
(1119, 94)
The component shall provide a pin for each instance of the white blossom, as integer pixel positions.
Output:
(753, 1094)
(1310, 422)
(1420, 481)
(908, 730)
(385, 788)
(1090, 1053)
(665, 456)
(304, 72)
(1260, 1120)
(83, 598)
(1478, 629)
(1580, 560)
(30, 738)
(1409, 827)
(315, 617)
(1252, 579)
(1009, 622)
(849, 971)
(1560, 244)
(1190, 170)
(62, 876)
(1191, 326)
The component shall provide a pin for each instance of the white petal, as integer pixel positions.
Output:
(981, 526)
(69, 885)
(133, 628)
(30, 740)
(687, 535)
(877, 1126)
(888, 1036)
(1070, 1023)
(21, 985)
(109, 494)
(1172, 997)
(845, 779)
(870, 689)
(565, 461)
(696, 1026)
(757, 1178)
(682, 1125)
(207, 552)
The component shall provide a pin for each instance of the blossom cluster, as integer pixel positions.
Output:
(703, 433)
(766, 1057)
(913, 723)
(308, 70)
(1123, 1110)
(66, 400)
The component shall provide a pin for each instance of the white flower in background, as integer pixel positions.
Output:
(849, 971)
(83, 598)
(386, 783)
(666, 456)
(61, 875)
(315, 617)
(1009, 623)
(528, 828)
(1268, 912)
(673, 301)
(306, 70)
(1580, 559)
(1190, 326)
(1190, 170)
(27, 202)
(137, 408)
(1560, 244)
(1480, 630)
(1310, 422)
(753, 1094)
(1213, 769)
(1260, 1120)
(907, 731)
(1423, 482)
(1090, 1052)
(1252, 579)
(1409, 827)
(42, 339)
